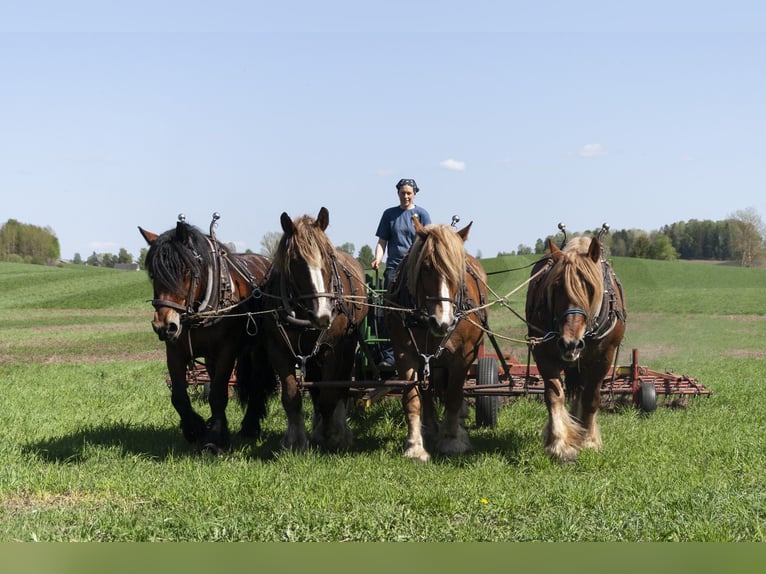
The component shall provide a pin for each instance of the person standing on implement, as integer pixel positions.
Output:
(395, 233)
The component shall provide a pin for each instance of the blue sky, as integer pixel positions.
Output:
(513, 115)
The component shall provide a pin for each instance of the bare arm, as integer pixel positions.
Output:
(380, 249)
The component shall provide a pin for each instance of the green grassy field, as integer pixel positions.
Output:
(92, 450)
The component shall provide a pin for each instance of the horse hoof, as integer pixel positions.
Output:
(419, 454)
(563, 453)
(250, 433)
(451, 447)
(211, 449)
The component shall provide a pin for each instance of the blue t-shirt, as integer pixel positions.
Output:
(397, 229)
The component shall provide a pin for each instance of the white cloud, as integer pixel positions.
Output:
(592, 150)
(452, 164)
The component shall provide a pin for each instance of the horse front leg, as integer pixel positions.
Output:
(562, 435)
(292, 401)
(192, 424)
(414, 446)
(216, 438)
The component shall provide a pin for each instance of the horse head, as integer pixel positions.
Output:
(574, 293)
(175, 264)
(436, 273)
(305, 261)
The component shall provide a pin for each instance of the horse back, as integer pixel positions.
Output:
(257, 264)
(353, 280)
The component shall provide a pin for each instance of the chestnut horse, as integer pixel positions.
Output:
(202, 293)
(436, 323)
(317, 297)
(575, 312)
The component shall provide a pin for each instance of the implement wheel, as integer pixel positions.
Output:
(487, 406)
(647, 397)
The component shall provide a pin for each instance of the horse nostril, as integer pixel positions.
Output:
(320, 320)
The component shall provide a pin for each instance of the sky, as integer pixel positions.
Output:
(513, 115)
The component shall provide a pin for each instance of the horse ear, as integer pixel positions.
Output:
(594, 251)
(463, 233)
(419, 228)
(287, 224)
(148, 236)
(323, 219)
(552, 247)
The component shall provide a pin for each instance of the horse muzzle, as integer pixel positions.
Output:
(439, 327)
(570, 349)
(320, 320)
(169, 329)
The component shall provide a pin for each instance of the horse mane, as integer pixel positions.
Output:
(307, 242)
(443, 248)
(169, 258)
(581, 277)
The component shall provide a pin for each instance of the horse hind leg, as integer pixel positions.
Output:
(585, 411)
(330, 428)
(453, 438)
(563, 435)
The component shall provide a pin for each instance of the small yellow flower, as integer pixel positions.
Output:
(484, 501)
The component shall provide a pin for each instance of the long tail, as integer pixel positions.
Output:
(256, 382)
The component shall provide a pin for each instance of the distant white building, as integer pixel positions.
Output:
(127, 266)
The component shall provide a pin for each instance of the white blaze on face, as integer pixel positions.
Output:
(445, 318)
(323, 304)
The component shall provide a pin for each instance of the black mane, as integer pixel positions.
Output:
(176, 253)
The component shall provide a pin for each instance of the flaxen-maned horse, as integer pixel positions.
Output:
(436, 327)
(576, 315)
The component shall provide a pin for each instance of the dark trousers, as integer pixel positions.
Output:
(386, 351)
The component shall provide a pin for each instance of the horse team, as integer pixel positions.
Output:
(299, 315)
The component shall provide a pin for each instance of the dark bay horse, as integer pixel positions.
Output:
(575, 312)
(317, 295)
(201, 295)
(440, 292)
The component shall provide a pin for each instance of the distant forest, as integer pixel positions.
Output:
(739, 239)
(25, 243)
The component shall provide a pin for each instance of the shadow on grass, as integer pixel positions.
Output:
(378, 429)
(151, 442)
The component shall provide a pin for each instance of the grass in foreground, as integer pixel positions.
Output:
(92, 451)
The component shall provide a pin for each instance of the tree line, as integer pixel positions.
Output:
(26, 243)
(738, 238)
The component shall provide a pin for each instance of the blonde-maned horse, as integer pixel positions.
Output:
(575, 312)
(435, 322)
